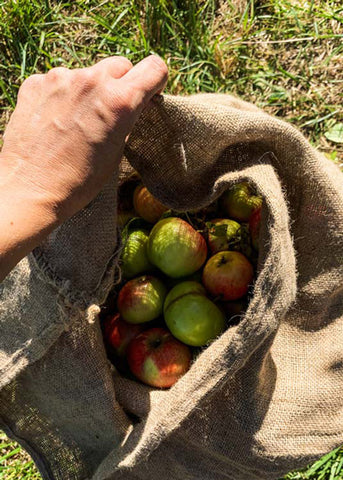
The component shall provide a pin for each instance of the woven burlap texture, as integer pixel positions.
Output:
(266, 396)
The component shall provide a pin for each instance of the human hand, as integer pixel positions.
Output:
(67, 132)
(64, 140)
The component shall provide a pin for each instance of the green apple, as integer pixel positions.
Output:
(192, 317)
(134, 257)
(240, 201)
(223, 234)
(176, 248)
(141, 299)
(183, 288)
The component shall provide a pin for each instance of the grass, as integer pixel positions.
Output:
(15, 464)
(286, 56)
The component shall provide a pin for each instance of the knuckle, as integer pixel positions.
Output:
(57, 73)
(125, 62)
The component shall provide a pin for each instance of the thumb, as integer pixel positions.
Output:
(146, 79)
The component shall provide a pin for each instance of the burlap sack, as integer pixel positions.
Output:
(264, 398)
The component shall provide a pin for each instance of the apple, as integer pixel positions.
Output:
(181, 289)
(223, 234)
(146, 205)
(176, 248)
(240, 201)
(134, 257)
(118, 333)
(156, 358)
(141, 299)
(191, 316)
(227, 275)
(254, 227)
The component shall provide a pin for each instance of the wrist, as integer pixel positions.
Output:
(22, 196)
(26, 215)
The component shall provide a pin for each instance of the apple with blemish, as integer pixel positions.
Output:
(146, 205)
(228, 275)
(240, 201)
(176, 248)
(223, 234)
(158, 359)
(141, 299)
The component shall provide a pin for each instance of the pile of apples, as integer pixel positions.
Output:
(186, 277)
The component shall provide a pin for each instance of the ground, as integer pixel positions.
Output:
(286, 56)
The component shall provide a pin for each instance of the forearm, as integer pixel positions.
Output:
(26, 219)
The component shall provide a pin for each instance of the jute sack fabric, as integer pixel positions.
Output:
(266, 396)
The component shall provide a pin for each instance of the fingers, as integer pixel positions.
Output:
(146, 79)
(115, 67)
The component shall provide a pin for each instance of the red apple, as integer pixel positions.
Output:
(141, 299)
(146, 205)
(227, 275)
(118, 333)
(156, 358)
(254, 227)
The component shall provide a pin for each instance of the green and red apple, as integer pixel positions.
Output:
(156, 358)
(240, 201)
(228, 275)
(176, 248)
(146, 205)
(192, 317)
(141, 299)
